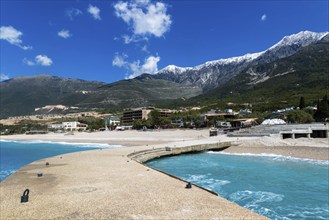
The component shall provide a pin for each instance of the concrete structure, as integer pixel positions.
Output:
(223, 124)
(164, 113)
(135, 114)
(245, 111)
(146, 155)
(142, 114)
(112, 120)
(315, 132)
(244, 122)
(74, 126)
(111, 184)
(56, 126)
(227, 113)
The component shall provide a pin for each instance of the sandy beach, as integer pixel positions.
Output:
(301, 148)
(107, 184)
(317, 149)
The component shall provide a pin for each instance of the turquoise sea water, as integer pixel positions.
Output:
(275, 186)
(14, 155)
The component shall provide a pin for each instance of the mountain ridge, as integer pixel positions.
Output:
(215, 73)
(21, 95)
(302, 74)
(304, 37)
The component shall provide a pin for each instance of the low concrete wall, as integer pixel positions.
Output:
(146, 155)
(202, 147)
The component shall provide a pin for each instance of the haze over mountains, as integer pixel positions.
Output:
(297, 64)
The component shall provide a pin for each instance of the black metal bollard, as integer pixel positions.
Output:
(25, 196)
(188, 186)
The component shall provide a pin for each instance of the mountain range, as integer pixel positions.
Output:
(296, 65)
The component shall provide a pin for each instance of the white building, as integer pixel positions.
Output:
(74, 126)
(56, 126)
(113, 120)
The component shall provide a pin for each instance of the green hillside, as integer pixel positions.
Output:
(20, 96)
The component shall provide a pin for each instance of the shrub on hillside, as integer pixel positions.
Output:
(299, 116)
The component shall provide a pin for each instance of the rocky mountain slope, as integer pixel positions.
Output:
(298, 61)
(22, 95)
(214, 73)
(306, 73)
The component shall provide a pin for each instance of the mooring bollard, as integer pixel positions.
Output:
(25, 196)
(188, 186)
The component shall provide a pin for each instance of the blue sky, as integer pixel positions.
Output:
(113, 40)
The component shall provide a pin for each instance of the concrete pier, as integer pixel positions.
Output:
(110, 184)
(144, 156)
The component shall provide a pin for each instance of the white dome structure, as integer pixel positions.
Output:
(275, 121)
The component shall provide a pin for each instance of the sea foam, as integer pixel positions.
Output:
(87, 145)
(275, 157)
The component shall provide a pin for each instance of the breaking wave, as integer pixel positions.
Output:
(275, 186)
(275, 157)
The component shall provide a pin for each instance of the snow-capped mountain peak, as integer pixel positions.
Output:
(302, 38)
(238, 59)
(232, 60)
(174, 69)
(217, 72)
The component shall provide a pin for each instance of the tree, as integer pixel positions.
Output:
(93, 123)
(137, 124)
(322, 112)
(154, 118)
(299, 116)
(302, 102)
(165, 121)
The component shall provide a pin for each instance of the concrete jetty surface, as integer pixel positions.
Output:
(107, 184)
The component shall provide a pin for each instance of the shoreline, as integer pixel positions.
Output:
(126, 182)
(298, 152)
(316, 149)
(70, 185)
(89, 144)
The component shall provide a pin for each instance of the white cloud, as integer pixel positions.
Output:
(72, 12)
(41, 60)
(119, 60)
(94, 11)
(3, 77)
(29, 62)
(145, 49)
(263, 18)
(150, 66)
(64, 34)
(127, 39)
(12, 36)
(144, 17)
(135, 68)
(134, 38)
